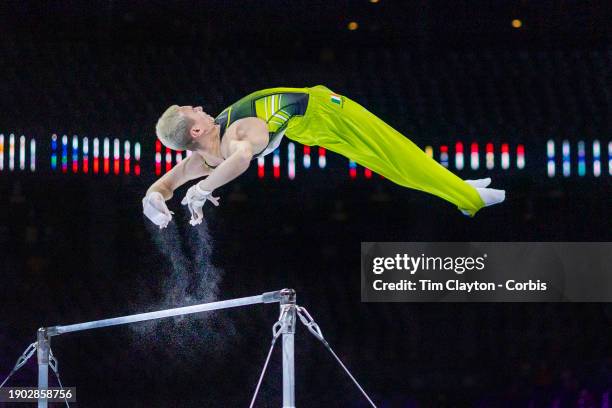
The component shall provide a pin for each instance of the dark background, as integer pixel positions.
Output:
(75, 247)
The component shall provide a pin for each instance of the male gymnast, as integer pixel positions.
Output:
(223, 148)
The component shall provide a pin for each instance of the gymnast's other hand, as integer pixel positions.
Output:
(195, 199)
(155, 208)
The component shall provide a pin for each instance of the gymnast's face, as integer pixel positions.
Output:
(203, 124)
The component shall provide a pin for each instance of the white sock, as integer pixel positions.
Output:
(491, 196)
(480, 183)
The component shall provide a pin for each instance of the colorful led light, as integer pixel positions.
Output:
(32, 155)
(459, 160)
(276, 164)
(565, 148)
(157, 157)
(474, 156)
(429, 151)
(581, 158)
(116, 156)
(550, 155)
(106, 144)
(489, 156)
(261, 167)
(64, 154)
(96, 155)
(11, 152)
(75, 153)
(322, 158)
(168, 159)
(137, 158)
(505, 156)
(306, 157)
(444, 155)
(1, 151)
(352, 169)
(596, 158)
(520, 156)
(22, 152)
(178, 156)
(367, 173)
(126, 157)
(291, 160)
(54, 151)
(85, 155)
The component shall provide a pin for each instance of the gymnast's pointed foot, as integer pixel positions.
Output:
(489, 196)
(479, 183)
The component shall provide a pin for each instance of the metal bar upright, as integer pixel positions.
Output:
(42, 348)
(287, 303)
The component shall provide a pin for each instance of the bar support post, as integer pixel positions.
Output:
(42, 349)
(287, 304)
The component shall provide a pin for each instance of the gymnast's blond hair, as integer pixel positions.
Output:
(172, 129)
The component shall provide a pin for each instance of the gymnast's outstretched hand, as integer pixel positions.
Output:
(195, 199)
(155, 208)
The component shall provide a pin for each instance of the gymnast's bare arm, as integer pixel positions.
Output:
(242, 139)
(190, 168)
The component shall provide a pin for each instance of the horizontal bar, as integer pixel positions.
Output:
(268, 297)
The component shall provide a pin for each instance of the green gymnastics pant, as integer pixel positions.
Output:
(347, 128)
